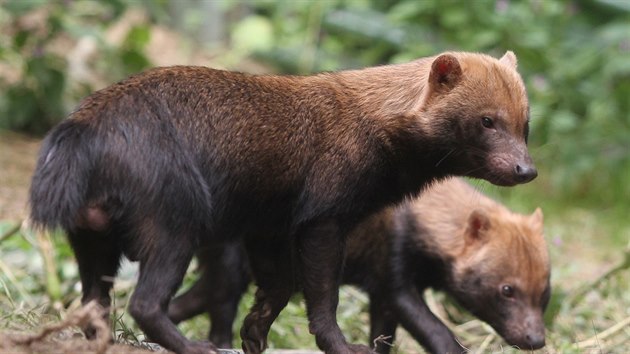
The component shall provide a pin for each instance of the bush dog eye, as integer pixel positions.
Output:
(507, 291)
(487, 122)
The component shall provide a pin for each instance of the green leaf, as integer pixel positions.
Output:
(137, 37)
(134, 61)
(20, 39)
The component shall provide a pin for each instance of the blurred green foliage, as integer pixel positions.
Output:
(36, 45)
(573, 55)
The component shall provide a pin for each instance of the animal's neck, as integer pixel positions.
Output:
(390, 98)
(389, 91)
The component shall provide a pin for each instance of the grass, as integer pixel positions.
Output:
(589, 312)
(588, 244)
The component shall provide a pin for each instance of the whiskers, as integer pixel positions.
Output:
(445, 156)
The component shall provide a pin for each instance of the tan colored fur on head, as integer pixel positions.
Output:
(509, 59)
(536, 220)
(478, 225)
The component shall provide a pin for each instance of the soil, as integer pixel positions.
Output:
(63, 337)
(18, 154)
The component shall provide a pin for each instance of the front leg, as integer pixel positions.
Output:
(416, 317)
(321, 255)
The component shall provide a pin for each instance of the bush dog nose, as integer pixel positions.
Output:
(535, 341)
(525, 172)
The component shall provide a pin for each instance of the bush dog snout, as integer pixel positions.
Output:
(180, 158)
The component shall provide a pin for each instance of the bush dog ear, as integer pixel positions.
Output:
(536, 220)
(445, 73)
(476, 227)
(509, 59)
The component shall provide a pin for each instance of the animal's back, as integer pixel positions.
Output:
(265, 142)
(217, 115)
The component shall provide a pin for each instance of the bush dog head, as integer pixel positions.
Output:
(466, 113)
(502, 274)
(493, 261)
(481, 104)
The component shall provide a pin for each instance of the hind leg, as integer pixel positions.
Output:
(233, 278)
(98, 258)
(162, 269)
(271, 265)
(193, 301)
(218, 291)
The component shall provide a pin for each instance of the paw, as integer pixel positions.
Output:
(253, 341)
(253, 334)
(250, 346)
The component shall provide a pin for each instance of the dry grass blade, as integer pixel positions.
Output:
(6, 270)
(597, 339)
(583, 290)
(47, 251)
(382, 339)
(486, 342)
(10, 232)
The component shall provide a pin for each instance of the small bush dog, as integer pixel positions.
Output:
(492, 261)
(178, 158)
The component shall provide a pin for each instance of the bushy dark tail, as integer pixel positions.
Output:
(146, 170)
(60, 182)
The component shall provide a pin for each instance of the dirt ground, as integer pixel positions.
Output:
(18, 154)
(63, 337)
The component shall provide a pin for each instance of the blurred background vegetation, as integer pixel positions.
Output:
(574, 57)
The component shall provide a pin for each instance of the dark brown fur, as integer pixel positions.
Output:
(180, 158)
(453, 239)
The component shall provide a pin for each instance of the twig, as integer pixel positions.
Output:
(90, 314)
(596, 339)
(581, 292)
(486, 342)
